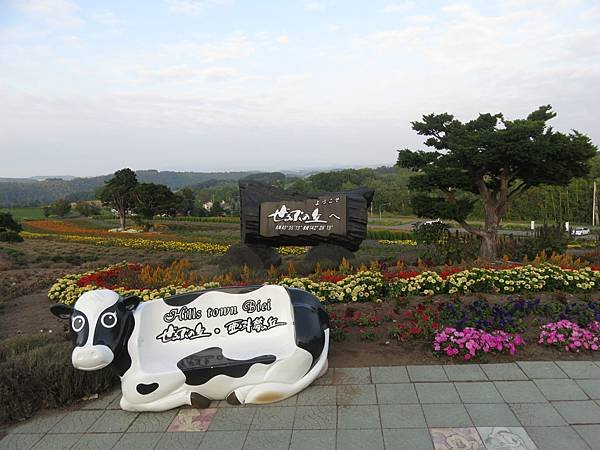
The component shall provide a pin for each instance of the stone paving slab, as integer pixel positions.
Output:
(360, 439)
(580, 369)
(491, 415)
(57, 441)
(556, 438)
(542, 369)
(315, 418)
(590, 387)
(313, 440)
(478, 392)
(397, 374)
(426, 373)
(469, 372)
(437, 393)
(504, 372)
(396, 393)
(539, 404)
(590, 434)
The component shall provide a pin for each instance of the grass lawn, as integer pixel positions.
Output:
(33, 212)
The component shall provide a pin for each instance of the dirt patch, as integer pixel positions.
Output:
(28, 314)
(18, 282)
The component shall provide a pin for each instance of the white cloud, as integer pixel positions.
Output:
(194, 6)
(398, 7)
(235, 47)
(58, 13)
(106, 18)
(186, 73)
(314, 6)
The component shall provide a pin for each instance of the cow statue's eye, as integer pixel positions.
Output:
(109, 319)
(77, 323)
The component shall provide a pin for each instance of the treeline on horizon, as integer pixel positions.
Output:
(543, 203)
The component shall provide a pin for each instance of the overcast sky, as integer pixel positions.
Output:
(88, 87)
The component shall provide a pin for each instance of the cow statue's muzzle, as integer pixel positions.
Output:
(92, 357)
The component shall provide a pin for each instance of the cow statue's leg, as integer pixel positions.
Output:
(154, 392)
(272, 390)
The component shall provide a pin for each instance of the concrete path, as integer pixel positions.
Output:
(524, 405)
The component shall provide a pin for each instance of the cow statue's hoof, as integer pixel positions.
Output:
(256, 344)
(232, 399)
(199, 401)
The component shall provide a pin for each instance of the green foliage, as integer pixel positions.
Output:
(37, 373)
(87, 209)
(7, 223)
(547, 238)
(272, 178)
(9, 228)
(154, 199)
(492, 158)
(430, 233)
(60, 208)
(10, 236)
(442, 246)
(186, 202)
(118, 192)
(392, 235)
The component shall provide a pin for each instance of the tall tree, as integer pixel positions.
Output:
(153, 199)
(118, 193)
(186, 201)
(491, 159)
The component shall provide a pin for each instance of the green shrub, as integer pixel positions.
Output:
(10, 236)
(391, 235)
(36, 372)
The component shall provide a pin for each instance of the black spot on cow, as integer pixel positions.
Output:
(201, 367)
(310, 322)
(146, 389)
(189, 297)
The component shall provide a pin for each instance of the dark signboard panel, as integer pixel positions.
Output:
(275, 217)
(322, 216)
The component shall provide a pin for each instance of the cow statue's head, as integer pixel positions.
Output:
(100, 324)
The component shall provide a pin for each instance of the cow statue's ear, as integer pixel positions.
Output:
(62, 311)
(131, 302)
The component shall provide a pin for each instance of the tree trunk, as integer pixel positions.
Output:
(122, 218)
(489, 244)
(489, 247)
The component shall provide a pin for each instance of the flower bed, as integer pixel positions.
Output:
(374, 285)
(570, 336)
(471, 342)
(527, 278)
(151, 244)
(449, 328)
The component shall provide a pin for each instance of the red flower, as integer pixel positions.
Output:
(415, 330)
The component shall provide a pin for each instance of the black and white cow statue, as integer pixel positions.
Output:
(244, 344)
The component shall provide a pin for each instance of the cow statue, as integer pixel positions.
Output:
(256, 344)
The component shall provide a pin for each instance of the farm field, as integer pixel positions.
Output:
(34, 212)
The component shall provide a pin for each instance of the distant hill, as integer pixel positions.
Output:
(38, 178)
(28, 191)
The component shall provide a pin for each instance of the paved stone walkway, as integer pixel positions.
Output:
(542, 405)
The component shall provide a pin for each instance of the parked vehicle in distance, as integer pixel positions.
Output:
(431, 222)
(580, 231)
